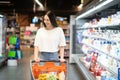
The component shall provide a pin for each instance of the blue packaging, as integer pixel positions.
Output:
(118, 73)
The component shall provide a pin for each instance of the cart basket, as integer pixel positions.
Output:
(48, 70)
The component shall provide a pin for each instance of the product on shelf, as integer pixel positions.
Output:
(101, 49)
(27, 35)
(3, 25)
(12, 39)
(13, 51)
(11, 54)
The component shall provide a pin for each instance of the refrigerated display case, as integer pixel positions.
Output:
(3, 24)
(95, 43)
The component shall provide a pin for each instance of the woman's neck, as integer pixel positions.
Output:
(49, 27)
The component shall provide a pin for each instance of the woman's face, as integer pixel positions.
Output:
(47, 21)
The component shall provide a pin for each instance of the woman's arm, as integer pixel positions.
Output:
(62, 53)
(36, 54)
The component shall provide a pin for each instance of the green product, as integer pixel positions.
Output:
(52, 77)
(12, 40)
(11, 54)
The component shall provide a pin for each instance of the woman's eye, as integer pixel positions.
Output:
(46, 19)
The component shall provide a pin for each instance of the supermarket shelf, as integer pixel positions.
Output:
(108, 69)
(102, 52)
(83, 69)
(67, 34)
(113, 27)
(66, 56)
(2, 61)
(103, 38)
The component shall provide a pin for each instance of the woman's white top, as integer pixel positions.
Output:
(49, 40)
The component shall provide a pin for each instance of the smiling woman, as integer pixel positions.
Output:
(50, 40)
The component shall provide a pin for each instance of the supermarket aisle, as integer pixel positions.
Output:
(22, 71)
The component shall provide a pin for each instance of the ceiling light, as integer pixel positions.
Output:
(94, 8)
(4, 2)
(80, 7)
(82, 1)
(1, 15)
(39, 3)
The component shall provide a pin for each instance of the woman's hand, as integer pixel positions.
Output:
(37, 59)
(62, 60)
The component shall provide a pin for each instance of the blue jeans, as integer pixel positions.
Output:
(49, 56)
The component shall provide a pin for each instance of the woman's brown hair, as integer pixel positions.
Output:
(52, 18)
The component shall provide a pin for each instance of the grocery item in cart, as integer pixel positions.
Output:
(49, 71)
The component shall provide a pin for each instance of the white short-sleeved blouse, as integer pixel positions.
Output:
(49, 40)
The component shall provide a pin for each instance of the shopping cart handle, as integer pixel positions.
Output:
(33, 61)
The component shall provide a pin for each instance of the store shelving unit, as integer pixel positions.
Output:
(101, 51)
(67, 37)
(27, 36)
(63, 23)
(3, 25)
(95, 47)
(14, 53)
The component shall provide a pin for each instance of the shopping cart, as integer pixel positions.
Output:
(48, 70)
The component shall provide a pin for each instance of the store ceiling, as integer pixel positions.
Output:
(60, 7)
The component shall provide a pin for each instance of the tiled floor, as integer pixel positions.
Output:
(22, 71)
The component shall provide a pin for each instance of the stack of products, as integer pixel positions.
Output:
(13, 43)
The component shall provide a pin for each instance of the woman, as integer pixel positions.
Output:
(49, 40)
